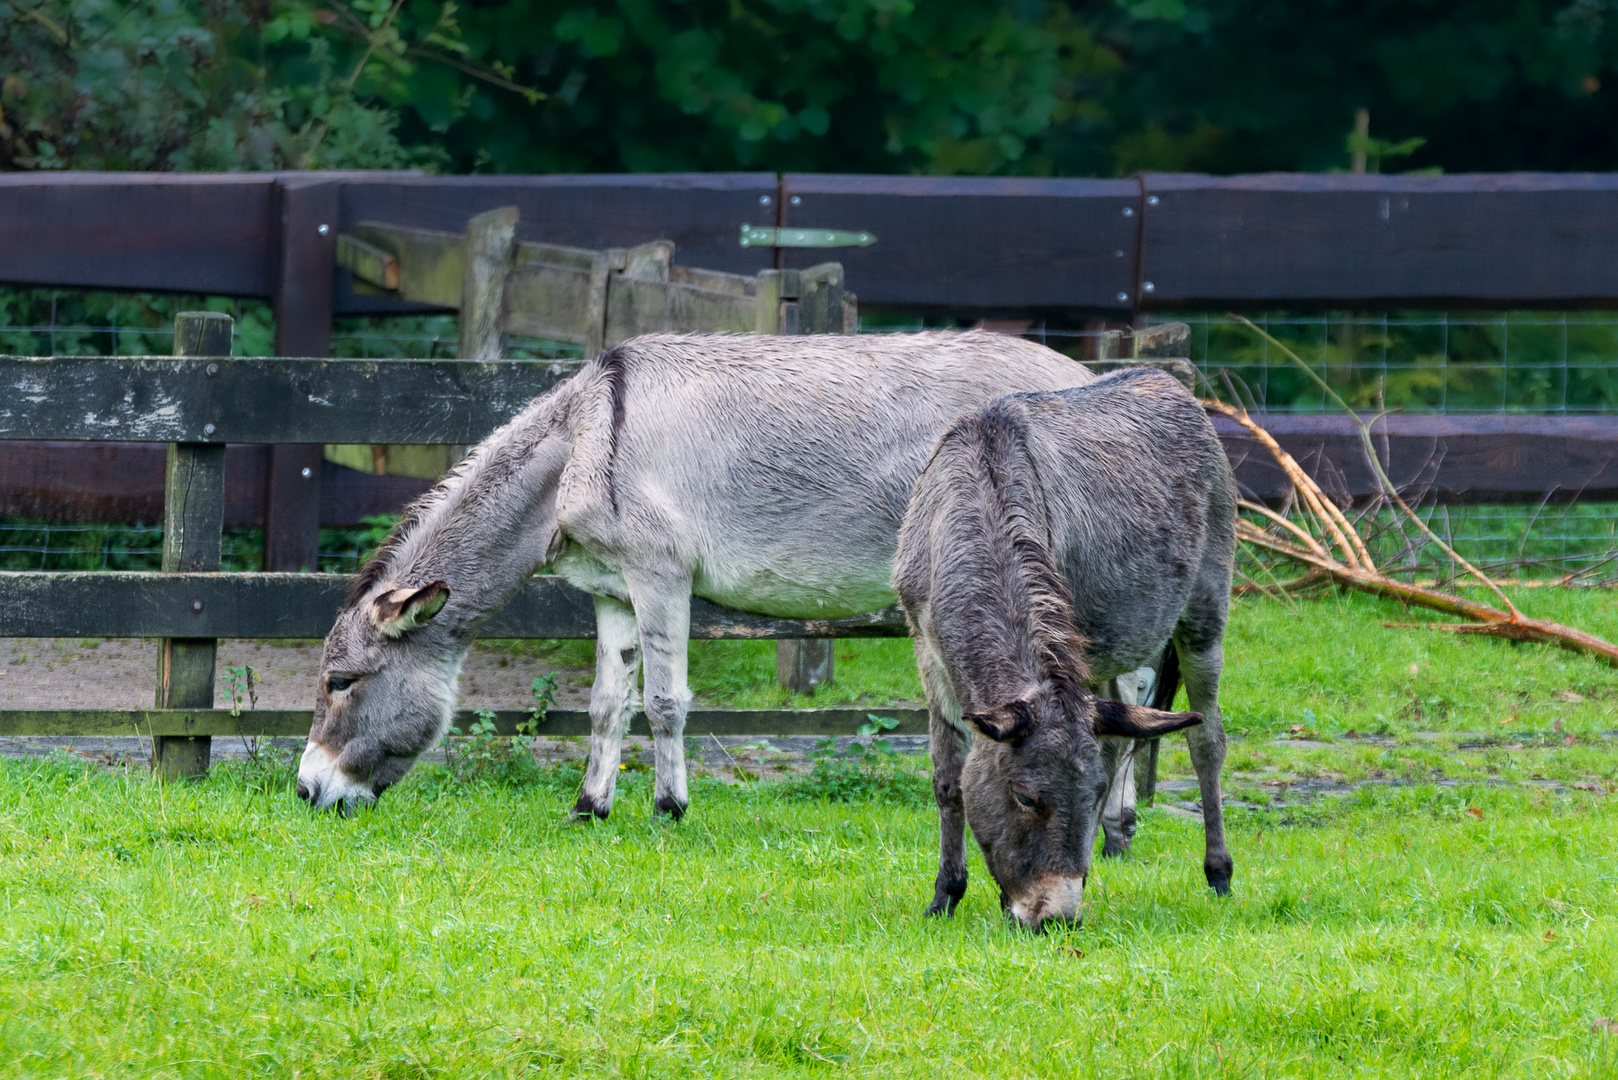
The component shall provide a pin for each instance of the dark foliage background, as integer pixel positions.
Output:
(909, 86)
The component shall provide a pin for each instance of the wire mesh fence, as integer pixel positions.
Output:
(1540, 362)
(1555, 363)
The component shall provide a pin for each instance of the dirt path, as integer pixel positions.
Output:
(70, 673)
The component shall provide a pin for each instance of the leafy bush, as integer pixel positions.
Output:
(482, 756)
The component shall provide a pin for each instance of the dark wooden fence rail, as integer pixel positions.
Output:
(961, 244)
(1487, 458)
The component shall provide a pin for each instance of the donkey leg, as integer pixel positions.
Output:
(1118, 756)
(612, 703)
(948, 746)
(664, 611)
(1201, 671)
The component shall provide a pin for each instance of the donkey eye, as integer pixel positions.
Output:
(1025, 801)
(337, 683)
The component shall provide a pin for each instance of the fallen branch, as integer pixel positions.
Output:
(1491, 620)
(1351, 565)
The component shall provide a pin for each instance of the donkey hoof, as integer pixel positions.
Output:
(1219, 878)
(942, 907)
(1114, 849)
(588, 808)
(668, 804)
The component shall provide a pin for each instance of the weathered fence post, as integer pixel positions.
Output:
(810, 301)
(193, 527)
(303, 302)
(491, 245)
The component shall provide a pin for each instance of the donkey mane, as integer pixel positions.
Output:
(614, 364)
(1020, 537)
(469, 482)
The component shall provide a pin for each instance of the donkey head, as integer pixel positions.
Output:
(386, 694)
(1033, 786)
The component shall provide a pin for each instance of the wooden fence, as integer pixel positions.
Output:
(1066, 249)
(1063, 249)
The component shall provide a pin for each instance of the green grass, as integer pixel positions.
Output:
(1331, 666)
(222, 930)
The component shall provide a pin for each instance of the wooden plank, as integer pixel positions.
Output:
(998, 244)
(1479, 459)
(123, 483)
(159, 399)
(803, 665)
(1406, 241)
(715, 280)
(973, 244)
(1172, 339)
(303, 292)
(368, 263)
(550, 301)
(204, 233)
(109, 603)
(637, 307)
(432, 264)
(558, 255)
(560, 722)
(1509, 459)
(699, 212)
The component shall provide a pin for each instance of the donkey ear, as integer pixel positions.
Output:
(1004, 723)
(1139, 722)
(399, 611)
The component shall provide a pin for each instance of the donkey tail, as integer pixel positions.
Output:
(1168, 679)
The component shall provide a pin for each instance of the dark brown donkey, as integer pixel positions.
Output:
(1057, 541)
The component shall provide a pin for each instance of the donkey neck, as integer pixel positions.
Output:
(1002, 596)
(485, 527)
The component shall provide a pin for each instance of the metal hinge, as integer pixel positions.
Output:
(768, 236)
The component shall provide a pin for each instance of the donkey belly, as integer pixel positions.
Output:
(1127, 629)
(812, 585)
(793, 585)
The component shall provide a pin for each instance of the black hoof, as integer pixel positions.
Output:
(1219, 877)
(668, 804)
(947, 892)
(1114, 849)
(588, 809)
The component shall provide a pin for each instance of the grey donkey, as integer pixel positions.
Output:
(1055, 542)
(767, 474)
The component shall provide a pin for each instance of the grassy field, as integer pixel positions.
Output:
(1451, 915)
(219, 930)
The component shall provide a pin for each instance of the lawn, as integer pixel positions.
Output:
(221, 930)
(1452, 915)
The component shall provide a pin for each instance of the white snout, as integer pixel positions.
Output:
(1049, 899)
(324, 784)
